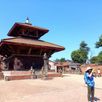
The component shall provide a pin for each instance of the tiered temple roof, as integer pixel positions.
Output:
(25, 36)
(27, 30)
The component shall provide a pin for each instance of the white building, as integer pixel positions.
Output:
(52, 66)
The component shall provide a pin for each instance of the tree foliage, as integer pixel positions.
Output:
(60, 60)
(83, 47)
(94, 60)
(97, 59)
(80, 55)
(99, 43)
(57, 60)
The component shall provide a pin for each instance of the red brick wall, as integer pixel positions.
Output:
(95, 67)
(19, 77)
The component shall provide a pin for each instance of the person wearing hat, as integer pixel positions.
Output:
(89, 80)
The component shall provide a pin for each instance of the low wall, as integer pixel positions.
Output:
(17, 75)
(95, 67)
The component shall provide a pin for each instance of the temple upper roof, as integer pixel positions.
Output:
(27, 30)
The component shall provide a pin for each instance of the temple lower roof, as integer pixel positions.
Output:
(31, 42)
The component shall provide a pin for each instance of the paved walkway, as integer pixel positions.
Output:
(70, 88)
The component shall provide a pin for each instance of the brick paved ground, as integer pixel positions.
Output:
(70, 88)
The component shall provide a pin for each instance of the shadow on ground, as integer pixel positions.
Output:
(96, 99)
(48, 78)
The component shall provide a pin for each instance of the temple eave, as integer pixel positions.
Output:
(38, 46)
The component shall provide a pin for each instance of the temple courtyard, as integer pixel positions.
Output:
(69, 88)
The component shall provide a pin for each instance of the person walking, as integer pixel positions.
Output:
(89, 81)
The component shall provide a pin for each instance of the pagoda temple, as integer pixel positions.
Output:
(24, 48)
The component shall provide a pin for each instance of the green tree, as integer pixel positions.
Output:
(83, 47)
(99, 43)
(99, 58)
(94, 60)
(61, 60)
(57, 60)
(80, 55)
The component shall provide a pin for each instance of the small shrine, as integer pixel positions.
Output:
(24, 49)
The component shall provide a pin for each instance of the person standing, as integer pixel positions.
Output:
(99, 72)
(89, 80)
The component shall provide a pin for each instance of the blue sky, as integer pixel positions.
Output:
(69, 21)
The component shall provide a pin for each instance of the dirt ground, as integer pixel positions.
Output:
(70, 88)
